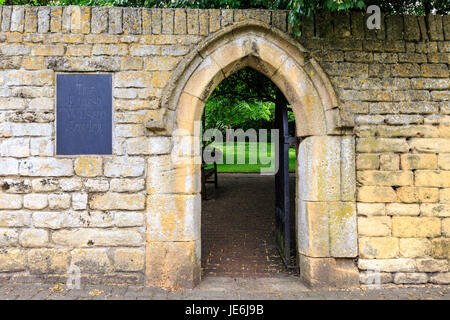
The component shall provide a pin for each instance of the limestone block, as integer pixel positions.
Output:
(388, 265)
(385, 178)
(431, 178)
(343, 230)
(156, 21)
(70, 184)
(433, 145)
(35, 201)
(124, 167)
(17, 19)
(91, 260)
(214, 20)
(10, 201)
(41, 147)
(45, 185)
(56, 19)
(348, 170)
(73, 219)
(127, 185)
(410, 278)
(12, 259)
(59, 201)
(376, 194)
(432, 265)
(374, 226)
(15, 219)
(81, 238)
(441, 278)
(329, 272)
(381, 145)
(128, 259)
(86, 64)
(8, 237)
(204, 79)
(33, 238)
(415, 247)
(319, 169)
(128, 219)
(79, 201)
(16, 185)
(417, 194)
(48, 261)
(435, 210)
(173, 217)
(441, 248)
(117, 201)
(327, 228)
(132, 21)
(446, 227)
(97, 185)
(43, 19)
(378, 247)
(367, 277)
(8, 166)
(402, 209)
(166, 177)
(409, 227)
(444, 161)
(18, 148)
(99, 21)
(149, 145)
(389, 162)
(367, 161)
(173, 265)
(418, 161)
(115, 20)
(190, 109)
(31, 129)
(371, 209)
(167, 21)
(146, 21)
(313, 229)
(50, 167)
(88, 166)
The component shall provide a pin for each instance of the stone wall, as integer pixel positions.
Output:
(392, 84)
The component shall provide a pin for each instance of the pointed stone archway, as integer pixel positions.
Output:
(325, 193)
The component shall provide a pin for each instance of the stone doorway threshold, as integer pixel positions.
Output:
(285, 284)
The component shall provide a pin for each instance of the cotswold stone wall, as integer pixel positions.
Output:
(99, 213)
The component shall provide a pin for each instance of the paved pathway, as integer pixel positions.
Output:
(222, 288)
(238, 224)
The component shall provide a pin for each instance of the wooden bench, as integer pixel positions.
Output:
(208, 171)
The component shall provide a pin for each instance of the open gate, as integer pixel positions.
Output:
(282, 194)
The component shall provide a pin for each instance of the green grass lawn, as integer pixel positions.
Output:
(247, 149)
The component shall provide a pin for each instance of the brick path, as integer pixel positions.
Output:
(238, 227)
(223, 288)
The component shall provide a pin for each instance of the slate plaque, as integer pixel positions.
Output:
(83, 114)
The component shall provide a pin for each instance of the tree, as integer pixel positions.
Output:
(299, 10)
(246, 99)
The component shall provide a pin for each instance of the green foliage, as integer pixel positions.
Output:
(299, 10)
(246, 99)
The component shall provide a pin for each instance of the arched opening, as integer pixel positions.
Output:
(248, 201)
(325, 216)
